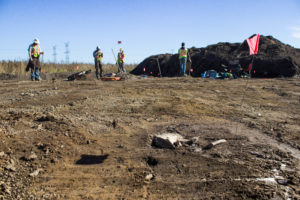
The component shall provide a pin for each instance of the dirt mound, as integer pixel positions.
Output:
(44, 76)
(273, 60)
(49, 76)
(4, 76)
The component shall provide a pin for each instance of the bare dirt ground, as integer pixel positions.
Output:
(92, 139)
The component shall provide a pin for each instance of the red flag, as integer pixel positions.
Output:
(144, 69)
(119, 42)
(253, 44)
(191, 70)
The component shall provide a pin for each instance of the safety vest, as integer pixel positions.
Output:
(121, 57)
(35, 51)
(182, 53)
(99, 56)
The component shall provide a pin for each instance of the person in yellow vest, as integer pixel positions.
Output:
(34, 64)
(121, 57)
(183, 54)
(98, 55)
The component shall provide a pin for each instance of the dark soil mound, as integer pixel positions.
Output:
(274, 59)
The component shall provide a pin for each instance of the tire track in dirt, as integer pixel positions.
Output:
(257, 137)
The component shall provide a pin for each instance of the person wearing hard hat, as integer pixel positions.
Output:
(34, 63)
(183, 54)
(121, 57)
(98, 55)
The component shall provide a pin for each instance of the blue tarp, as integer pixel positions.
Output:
(210, 74)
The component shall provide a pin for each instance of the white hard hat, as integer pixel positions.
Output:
(36, 41)
(98, 47)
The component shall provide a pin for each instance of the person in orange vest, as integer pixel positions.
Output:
(98, 55)
(34, 64)
(121, 57)
(183, 54)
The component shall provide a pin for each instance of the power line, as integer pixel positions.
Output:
(54, 54)
(67, 51)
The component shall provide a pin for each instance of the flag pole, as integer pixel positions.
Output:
(159, 67)
(190, 59)
(114, 55)
(252, 62)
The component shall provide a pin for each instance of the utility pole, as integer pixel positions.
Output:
(67, 51)
(54, 54)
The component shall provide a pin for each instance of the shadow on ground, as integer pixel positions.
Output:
(91, 159)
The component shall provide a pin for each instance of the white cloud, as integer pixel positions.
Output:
(295, 32)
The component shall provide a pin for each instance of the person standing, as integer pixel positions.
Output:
(183, 54)
(34, 64)
(98, 55)
(121, 57)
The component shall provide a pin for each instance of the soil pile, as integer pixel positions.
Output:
(274, 59)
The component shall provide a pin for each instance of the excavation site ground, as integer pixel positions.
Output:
(92, 139)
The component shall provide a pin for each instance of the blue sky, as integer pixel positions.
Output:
(146, 27)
